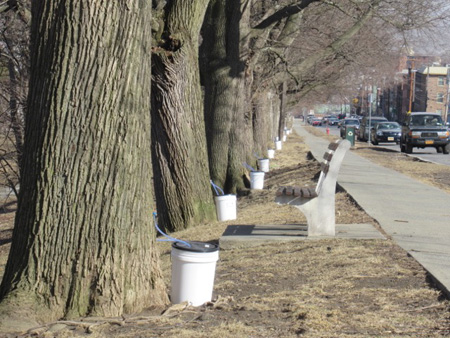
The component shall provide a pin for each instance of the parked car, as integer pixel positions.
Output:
(386, 132)
(348, 122)
(367, 124)
(423, 130)
(325, 118)
(316, 122)
(332, 121)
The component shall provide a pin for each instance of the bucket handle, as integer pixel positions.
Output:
(168, 238)
(257, 156)
(216, 187)
(248, 167)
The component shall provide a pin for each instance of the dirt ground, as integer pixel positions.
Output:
(321, 288)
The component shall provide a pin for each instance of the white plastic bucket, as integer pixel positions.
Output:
(263, 164)
(193, 271)
(284, 138)
(271, 153)
(278, 145)
(225, 207)
(256, 179)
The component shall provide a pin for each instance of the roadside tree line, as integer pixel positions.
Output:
(135, 102)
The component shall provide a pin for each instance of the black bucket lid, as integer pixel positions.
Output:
(196, 246)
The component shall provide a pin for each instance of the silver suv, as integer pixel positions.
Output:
(423, 130)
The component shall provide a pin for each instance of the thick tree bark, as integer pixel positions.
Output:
(282, 121)
(232, 51)
(276, 113)
(262, 123)
(83, 241)
(182, 188)
(227, 92)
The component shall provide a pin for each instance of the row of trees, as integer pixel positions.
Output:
(14, 66)
(198, 85)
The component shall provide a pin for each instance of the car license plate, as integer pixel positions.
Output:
(390, 139)
(429, 141)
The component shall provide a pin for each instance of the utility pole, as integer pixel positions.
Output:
(411, 83)
(448, 97)
(370, 116)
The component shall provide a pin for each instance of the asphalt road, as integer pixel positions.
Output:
(426, 154)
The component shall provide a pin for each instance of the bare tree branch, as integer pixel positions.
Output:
(284, 13)
(334, 47)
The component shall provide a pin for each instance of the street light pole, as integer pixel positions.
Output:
(370, 116)
(448, 97)
(411, 84)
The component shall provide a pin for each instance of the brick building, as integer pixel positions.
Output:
(401, 96)
(431, 90)
(420, 84)
(417, 61)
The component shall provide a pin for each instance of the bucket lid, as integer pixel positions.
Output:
(196, 246)
(225, 196)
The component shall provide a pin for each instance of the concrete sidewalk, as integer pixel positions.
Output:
(415, 215)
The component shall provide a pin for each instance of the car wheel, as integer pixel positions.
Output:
(402, 147)
(446, 149)
(408, 148)
(439, 149)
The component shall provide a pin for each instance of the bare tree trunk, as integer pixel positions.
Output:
(276, 105)
(83, 241)
(262, 124)
(227, 87)
(282, 121)
(182, 188)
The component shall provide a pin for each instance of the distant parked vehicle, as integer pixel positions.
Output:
(332, 121)
(316, 122)
(386, 132)
(348, 122)
(366, 126)
(423, 130)
(325, 118)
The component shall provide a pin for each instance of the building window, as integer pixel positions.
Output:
(441, 81)
(440, 97)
